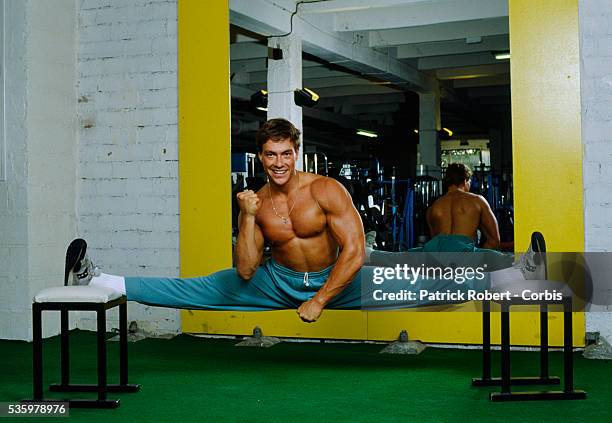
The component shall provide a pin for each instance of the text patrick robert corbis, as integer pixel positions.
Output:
(474, 276)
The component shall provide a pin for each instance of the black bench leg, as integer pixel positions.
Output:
(123, 357)
(486, 341)
(65, 348)
(485, 380)
(544, 341)
(505, 347)
(37, 354)
(123, 386)
(568, 359)
(101, 354)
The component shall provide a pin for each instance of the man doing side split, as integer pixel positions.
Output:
(314, 231)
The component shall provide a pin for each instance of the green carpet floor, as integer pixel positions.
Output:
(193, 379)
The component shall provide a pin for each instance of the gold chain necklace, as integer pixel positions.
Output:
(284, 219)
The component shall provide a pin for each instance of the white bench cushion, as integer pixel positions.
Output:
(77, 294)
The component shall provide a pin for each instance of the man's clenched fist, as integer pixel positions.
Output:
(310, 310)
(248, 202)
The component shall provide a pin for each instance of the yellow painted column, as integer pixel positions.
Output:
(547, 146)
(204, 137)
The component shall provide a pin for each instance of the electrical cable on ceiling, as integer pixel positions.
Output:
(297, 6)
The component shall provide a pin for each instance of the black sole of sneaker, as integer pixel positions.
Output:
(538, 245)
(74, 254)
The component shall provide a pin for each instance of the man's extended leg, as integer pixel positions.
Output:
(375, 290)
(444, 250)
(114, 282)
(223, 290)
(361, 292)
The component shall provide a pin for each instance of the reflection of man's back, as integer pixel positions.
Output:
(456, 212)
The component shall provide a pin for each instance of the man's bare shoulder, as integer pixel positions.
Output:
(312, 178)
(323, 189)
(456, 197)
(475, 201)
(318, 184)
(472, 195)
(441, 200)
(463, 195)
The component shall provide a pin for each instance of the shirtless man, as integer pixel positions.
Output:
(308, 220)
(453, 220)
(315, 233)
(459, 212)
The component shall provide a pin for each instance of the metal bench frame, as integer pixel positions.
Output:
(102, 387)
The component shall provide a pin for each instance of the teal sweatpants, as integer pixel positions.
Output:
(272, 287)
(276, 287)
(453, 250)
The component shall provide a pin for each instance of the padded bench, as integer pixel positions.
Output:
(506, 380)
(81, 298)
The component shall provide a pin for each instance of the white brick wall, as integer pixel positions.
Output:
(37, 208)
(596, 90)
(14, 308)
(128, 156)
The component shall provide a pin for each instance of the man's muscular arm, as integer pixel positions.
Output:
(346, 227)
(488, 224)
(250, 242)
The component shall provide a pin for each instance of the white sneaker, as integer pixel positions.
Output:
(79, 268)
(533, 262)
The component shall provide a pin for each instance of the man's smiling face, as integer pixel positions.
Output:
(278, 159)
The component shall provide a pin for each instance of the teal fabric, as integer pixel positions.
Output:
(276, 287)
(272, 287)
(446, 250)
(450, 244)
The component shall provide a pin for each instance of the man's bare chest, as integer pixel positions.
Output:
(306, 220)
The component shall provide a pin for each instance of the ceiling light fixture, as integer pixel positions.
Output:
(305, 97)
(259, 100)
(366, 133)
(502, 55)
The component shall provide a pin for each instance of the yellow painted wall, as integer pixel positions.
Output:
(333, 324)
(546, 142)
(547, 157)
(204, 137)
